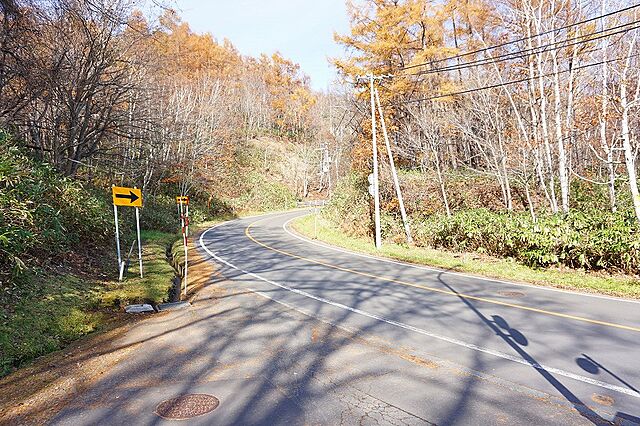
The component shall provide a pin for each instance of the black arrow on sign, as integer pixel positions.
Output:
(132, 197)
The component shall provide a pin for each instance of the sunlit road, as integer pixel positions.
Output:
(568, 349)
(288, 331)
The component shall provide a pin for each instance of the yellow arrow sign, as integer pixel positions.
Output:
(184, 200)
(128, 197)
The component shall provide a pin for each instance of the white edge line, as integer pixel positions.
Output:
(457, 342)
(433, 269)
(441, 361)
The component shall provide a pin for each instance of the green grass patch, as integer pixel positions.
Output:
(51, 311)
(615, 285)
(42, 312)
(154, 286)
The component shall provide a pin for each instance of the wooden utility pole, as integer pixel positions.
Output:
(374, 179)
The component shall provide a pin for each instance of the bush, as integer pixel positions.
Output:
(160, 213)
(218, 208)
(590, 240)
(349, 205)
(263, 195)
(43, 214)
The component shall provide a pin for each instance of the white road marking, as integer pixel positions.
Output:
(457, 342)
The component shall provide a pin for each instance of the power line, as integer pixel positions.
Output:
(522, 80)
(520, 39)
(521, 54)
(586, 38)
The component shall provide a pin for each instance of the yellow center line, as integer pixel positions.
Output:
(437, 290)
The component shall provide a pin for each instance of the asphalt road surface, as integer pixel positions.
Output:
(310, 334)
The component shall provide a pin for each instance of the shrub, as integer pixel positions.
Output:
(591, 237)
(349, 205)
(263, 195)
(160, 213)
(591, 240)
(43, 214)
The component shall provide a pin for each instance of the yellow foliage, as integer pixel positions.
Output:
(405, 37)
(292, 99)
(182, 56)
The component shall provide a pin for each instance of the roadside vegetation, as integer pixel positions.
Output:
(53, 306)
(515, 145)
(99, 93)
(57, 259)
(590, 248)
(58, 272)
(473, 263)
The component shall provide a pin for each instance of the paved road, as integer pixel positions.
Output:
(303, 333)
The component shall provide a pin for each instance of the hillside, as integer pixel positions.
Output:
(58, 274)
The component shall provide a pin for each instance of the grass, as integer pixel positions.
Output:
(154, 286)
(53, 309)
(614, 285)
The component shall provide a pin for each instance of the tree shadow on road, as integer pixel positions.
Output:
(280, 361)
(517, 341)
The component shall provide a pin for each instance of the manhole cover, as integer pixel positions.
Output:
(187, 406)
(511, 293)
(602, 399)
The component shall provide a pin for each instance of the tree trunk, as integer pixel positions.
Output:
(603, 118)
(443, 191)
(543, 117)
(562, 157)
(626, 140)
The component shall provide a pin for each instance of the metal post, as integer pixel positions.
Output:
(186, 253)
(403, 213)
(186, 249)
(115, 215)
(139, 240)
(315, 222)
(187, 220)
(375, 166)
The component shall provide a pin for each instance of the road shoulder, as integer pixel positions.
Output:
(35, 393)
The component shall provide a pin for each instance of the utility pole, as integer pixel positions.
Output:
(374, 180)
(376, 188)
(396, 183)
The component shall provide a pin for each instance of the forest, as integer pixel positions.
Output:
(514, 126)
(104, 95)
(514, 123)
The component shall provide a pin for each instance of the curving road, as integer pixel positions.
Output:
(287, 331)
(496, 352)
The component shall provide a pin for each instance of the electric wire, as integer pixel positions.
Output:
(510, 82)
(615, 12)
(586, 38)
(458, 67)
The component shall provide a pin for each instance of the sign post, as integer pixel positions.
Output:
(139, 242)
(187, 224)
(184, 221)
(126, 197)
(115, 215)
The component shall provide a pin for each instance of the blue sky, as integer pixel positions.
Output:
(302, 30)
